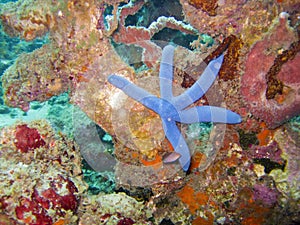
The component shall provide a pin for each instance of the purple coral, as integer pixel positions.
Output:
(271, 151)
(267, 195)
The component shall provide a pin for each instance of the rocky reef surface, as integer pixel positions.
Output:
(75, 150)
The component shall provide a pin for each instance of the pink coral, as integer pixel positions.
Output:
(49, 199)
(141, 36)
(38, 186)
(53, 197)
(272, 152)
(27, 138)
(254, 82)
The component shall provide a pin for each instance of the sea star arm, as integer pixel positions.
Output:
(129, 88)
(166, 73)
(200, 87)
(161, 106)
(208, 114)
(178, 142)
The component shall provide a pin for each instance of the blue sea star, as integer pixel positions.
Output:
(172, 109)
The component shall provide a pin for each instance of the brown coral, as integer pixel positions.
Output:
(230, 66)
(205, 5)
(274, 85)
(246, 19)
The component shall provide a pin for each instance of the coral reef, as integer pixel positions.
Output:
(141, 36)
(206, 6)
(11, 48)
(40, 178)
(54, 67)
(27, 19)
(171, 108)
(260, 78)
(27, 138)
(248, 20)
(239, 174)
(113, 209)
(38, 82)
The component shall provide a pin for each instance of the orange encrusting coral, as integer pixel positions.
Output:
(194, 200)
(187, 197)
(265, 135)
(196, 160)
(59, 222)
(156, 162)
(204, 221)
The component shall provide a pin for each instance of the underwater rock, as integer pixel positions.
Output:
(285, 103)
(34, 77)
(288, 179)
(248, 19)
(40, 184)
(113, 209)
(27, 18)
